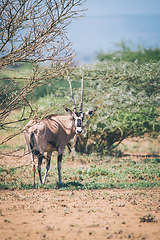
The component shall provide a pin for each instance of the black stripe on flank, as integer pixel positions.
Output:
(53, 144)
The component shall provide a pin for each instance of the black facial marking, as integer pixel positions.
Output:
(78, 123)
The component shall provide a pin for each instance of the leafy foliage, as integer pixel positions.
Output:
(125, 96)
(127, 99)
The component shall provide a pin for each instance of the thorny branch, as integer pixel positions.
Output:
(32, 32)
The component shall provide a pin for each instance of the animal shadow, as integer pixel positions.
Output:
(70, 185)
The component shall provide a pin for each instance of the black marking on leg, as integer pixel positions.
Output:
(59, 168)
(69, 147)
(39, 168)
(59, 158)
(48, 163)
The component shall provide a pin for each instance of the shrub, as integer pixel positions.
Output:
(128, 52)
(126, 96)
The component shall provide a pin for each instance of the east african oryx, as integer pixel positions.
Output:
(53, 133)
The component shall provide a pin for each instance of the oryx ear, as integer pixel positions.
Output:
(68, 111)
(90, 113)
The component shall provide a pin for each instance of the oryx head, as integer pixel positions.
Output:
(78, 116)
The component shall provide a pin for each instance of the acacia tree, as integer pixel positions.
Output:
(33, 31)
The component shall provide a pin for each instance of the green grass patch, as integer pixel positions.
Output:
(5, 146)
(11, 147)
(125, 174)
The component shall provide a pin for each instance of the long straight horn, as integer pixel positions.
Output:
(69, 80)
(81, 106)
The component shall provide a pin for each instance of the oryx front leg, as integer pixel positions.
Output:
(60, 152)
(73, 152)
(47, 166)
(59, 168)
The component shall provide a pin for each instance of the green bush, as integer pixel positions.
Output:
(127, 100)
(128, 52)
(11, 81)
(126, 96)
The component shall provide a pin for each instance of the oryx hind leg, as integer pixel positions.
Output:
(40, 158)
(49, 154)
(31, 154)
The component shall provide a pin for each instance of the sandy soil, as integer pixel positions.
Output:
(83, 214)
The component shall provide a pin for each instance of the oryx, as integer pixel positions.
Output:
(53, 133)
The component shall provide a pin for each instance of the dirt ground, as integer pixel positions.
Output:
(80, 214)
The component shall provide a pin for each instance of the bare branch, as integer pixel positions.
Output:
(32, 32)
(29, 28)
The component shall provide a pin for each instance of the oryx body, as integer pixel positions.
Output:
(52, 134)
